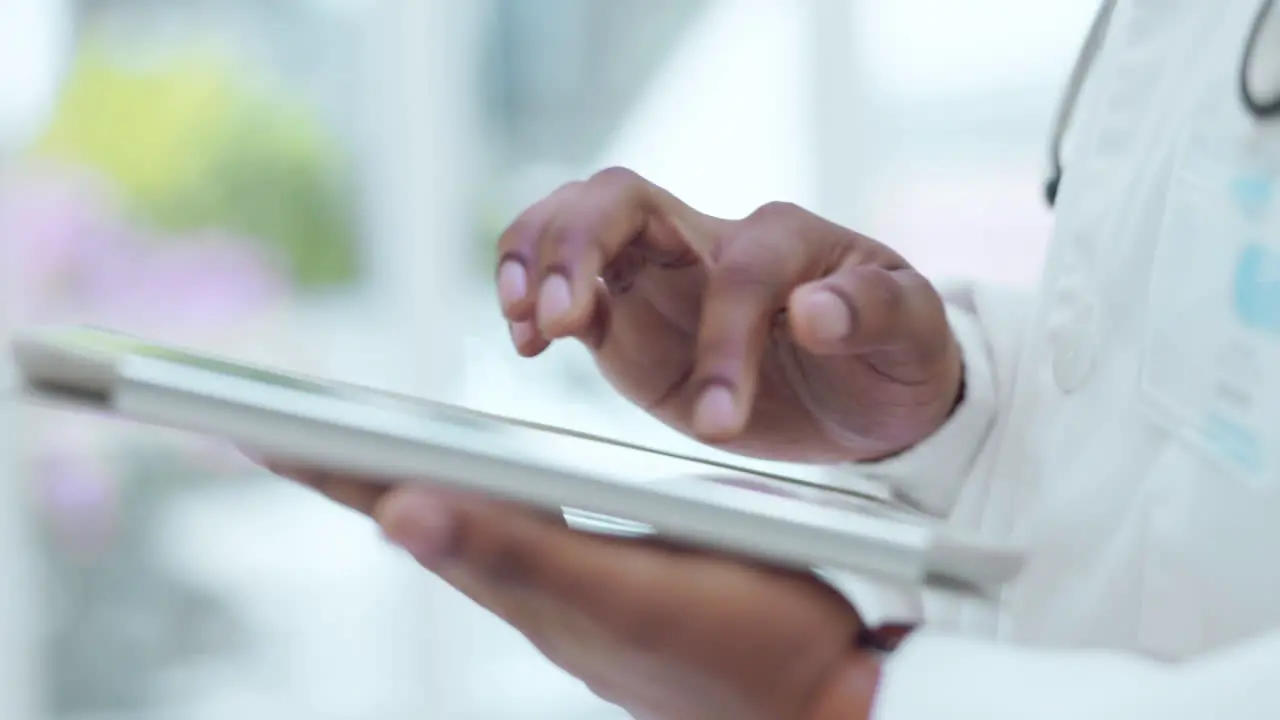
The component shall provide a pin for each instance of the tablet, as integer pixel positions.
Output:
(604, 485)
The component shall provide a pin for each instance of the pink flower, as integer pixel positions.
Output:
(69, 254)
(178, 288)
(52, 224)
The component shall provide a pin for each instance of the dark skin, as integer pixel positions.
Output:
(780, 335)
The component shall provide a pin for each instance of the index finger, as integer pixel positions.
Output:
(771, 251)
(564, 244)
(515, 293)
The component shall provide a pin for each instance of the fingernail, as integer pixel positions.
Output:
(418, 524)
(715, 413)
(512, 283)
(521, 333)
(554, 300)
(828, 315)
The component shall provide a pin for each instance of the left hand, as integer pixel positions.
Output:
(660, 631)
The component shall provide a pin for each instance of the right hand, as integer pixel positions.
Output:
(780, 335)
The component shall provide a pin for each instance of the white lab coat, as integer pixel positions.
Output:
(1149, 591)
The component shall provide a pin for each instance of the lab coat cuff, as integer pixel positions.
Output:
(877, 602)
(929, 472)
(934, 676)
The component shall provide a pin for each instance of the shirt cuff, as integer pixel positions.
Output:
(930, 677)
(932, 472)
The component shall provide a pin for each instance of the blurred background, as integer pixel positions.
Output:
(316, 185)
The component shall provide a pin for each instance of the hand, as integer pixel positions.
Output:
(780, 335)
(661, 632)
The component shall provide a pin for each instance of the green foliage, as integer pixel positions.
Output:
(191, 146)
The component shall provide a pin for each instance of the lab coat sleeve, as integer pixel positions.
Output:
(934, 677)
(988, 323)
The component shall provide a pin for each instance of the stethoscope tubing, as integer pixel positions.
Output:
(1260, 108)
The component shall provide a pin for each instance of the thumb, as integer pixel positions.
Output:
(864, 309)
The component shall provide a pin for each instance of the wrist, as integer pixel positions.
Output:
(850, 690)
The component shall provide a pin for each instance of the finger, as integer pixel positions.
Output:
(513, 287)
(608, 212)
(501, 546)
(746, 289)
(516, 249)
(527, 339)
(593, 331)
(861, 308)
(359, 494)
(530, 342)
(736, 317)
(538, 575)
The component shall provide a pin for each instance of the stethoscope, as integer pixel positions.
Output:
(1260, 108)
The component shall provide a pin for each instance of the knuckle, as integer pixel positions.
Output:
(619, 186)
(529, 224)
(877, 298)
(616, 176)
(519, 235)
(880, 287)
(558, 247)
(763, 238)
(566, 193)
(890, 295)
(718, 362)
(738, 271)
(571, 252)
(567, 189)
(774, 211)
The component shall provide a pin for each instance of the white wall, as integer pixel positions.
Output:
(725, 123)
(829, 103)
